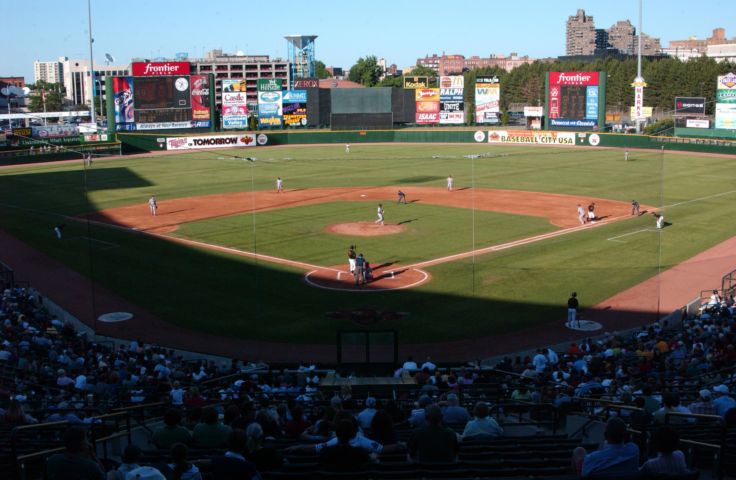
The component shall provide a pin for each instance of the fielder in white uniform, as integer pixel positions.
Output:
(279, 185)
(581, 214)
(449, 183)
(660, 220)
(379, 211)
(152, 205)
(347, 148)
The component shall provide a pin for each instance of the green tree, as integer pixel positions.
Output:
(320, 70)
(422, 71)
(366, 71)
(50, 93)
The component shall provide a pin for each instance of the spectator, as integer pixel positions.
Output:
(669, 460)
(410, 365)
(382, 428)
(15, 415)
(129, 462)
(671, 403)
(177, 395)
(210, 433)
(616, 458)
(298, 423)
(264, 458)
(453, 413)
(171, 432)
(723, 401)
(433, 443)
(417, 415)
(704, 406)
(482, 426)
(145, 473)
(233, 465)
(78, 459)
(429, 365)
(180, 468)
(342, 455)
(366, 416)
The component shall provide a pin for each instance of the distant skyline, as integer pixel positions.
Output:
(399, 31)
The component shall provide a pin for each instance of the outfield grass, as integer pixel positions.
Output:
(492, 293)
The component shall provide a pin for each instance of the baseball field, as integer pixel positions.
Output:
(228, 255)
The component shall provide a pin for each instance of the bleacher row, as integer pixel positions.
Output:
(121, 392)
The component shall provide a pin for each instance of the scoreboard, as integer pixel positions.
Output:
(575, 100)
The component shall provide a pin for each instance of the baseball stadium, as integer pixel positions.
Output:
(211, 276)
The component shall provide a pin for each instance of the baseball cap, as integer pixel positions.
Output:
(370, 402)
(720, 388)
(705, 393)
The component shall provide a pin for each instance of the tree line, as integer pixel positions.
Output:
(666, 79)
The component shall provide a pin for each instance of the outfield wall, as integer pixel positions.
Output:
(141, 142)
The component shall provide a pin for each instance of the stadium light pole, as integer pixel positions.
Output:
(91, 64)
(639, 82)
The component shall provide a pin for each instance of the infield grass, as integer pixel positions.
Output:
(493, 293)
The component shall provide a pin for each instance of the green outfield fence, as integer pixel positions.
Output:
(140, 142)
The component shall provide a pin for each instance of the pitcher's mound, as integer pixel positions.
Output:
(364, 229)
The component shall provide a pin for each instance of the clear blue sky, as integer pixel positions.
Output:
(398, 30)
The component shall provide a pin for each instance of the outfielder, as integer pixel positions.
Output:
(279, 185)
(152, 205)
(449, 183)
(347, 148)
(379, 211)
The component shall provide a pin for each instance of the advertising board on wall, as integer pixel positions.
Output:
(412, 83)
(726, 102)
(726, 115)
(690, 106)
(211, 141)
(452, 106)
(487, 100)
(697, 123)
(123, 96)
(531, 138)
(159, 69)
(234, 104)
(270, 84)
(306, 83)
(270, 109)
(573, 99)
(294, 104)
(427, 105)
(200, 97)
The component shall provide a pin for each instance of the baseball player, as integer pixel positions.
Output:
(279, 185)
(379, 211)
(591, 212)
(449, 183)
(351, 258)
(660, 219)
(347, 148)
(58, 229)
(581, 214)
(402, 197)
(572, 310)
(152, 205)
(359, 265)
(626, 155)
(635, 208)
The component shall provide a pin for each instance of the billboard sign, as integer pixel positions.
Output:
(451, 100)
(573, 99)
(295, 107)
(697, 123)
(158, 69)
(412, 83)
(690, 106)
(533, 111)
(726, 90)
(645, 112)
(527, 137)
(726, 116)
(487, 100)
(200, 97)
(211, 141)
(427, 105)
(234, 104)
(122, 88)
(270, 108)
(270, 84)
(306, 83)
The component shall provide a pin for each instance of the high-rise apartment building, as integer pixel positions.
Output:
(580, 34)
(50, 72)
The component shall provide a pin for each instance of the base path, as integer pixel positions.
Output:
(385, 277)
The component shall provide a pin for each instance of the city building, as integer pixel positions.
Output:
(79, 83)
(50, 72)
(248, 67)
(722, 53)
(621, 36)
(457, 64)
(580, 34)
(432, 62)
(19, 82)
(694, 47)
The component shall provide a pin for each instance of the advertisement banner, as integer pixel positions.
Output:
(533, 111)
(122, 88)
(454, 81)
(295, 107)
(646, 112)
(638, 103)
(487, 102)
(726, 90)
(573, 78)
(163, 125)
(270, 84)
(233, 85)
(427, 105)
(689, 106)
(158, 69)
(234, 104)
(726, 116)
(270, 109)
(306, 83)
(54, 131)
(573, 100)
(200, 97)
(451, 100)
(211, 141)
(534, 138)
(697, 123)
(591, 102)
(412, 83)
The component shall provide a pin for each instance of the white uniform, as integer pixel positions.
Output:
(347, 148)
(449, 182)
(626, 156)
(152, 205)
(660, 221)
(379, 211)
(279, 185)
(581, 214)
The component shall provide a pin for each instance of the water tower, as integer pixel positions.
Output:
(300, 50)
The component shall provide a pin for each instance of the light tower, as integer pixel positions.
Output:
(300, 52)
